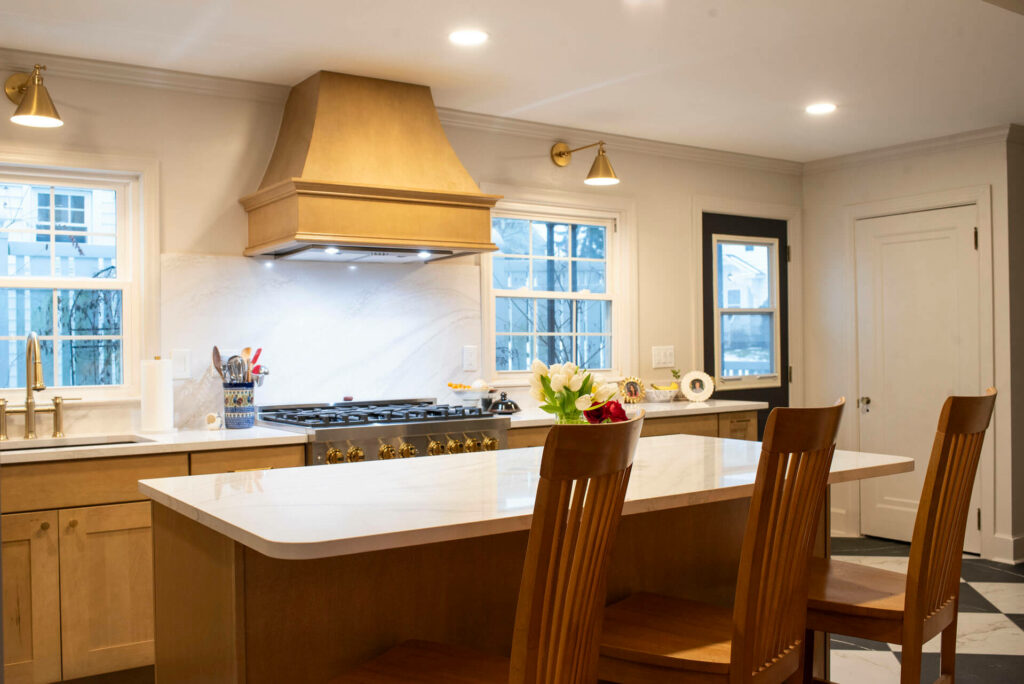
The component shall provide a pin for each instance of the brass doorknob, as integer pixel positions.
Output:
(435, 448)
(334, 455)
(453, 447)
(490, 444)
(386, 452)
(355, 454)
(406, 450)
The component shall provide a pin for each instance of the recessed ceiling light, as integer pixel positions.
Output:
(821, 108)
(468, 37)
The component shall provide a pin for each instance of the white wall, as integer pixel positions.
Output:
(830, 334)
(212, 139)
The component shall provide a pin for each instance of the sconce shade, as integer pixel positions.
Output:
(35, 107)
(601, 172)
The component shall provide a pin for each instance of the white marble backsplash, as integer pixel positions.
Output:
(327, 331)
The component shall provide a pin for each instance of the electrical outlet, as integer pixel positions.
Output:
(663, 357)
(470, 358)
(181, 363)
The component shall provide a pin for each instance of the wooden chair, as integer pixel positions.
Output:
(649, 638)
(583, 476)
(860, 601)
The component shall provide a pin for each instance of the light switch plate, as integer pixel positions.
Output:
(181, 363)
(663, 357)
(470, 358)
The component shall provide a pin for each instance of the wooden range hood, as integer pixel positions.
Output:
(363, 168)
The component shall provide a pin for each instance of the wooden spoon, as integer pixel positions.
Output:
(246, 355)
(217, 362)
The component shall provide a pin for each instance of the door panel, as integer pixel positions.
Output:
(31, 598)
(106, 588)
(918, 339)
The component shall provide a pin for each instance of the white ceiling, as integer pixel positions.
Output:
(725, 74)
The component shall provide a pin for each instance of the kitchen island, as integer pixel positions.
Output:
(294, 575)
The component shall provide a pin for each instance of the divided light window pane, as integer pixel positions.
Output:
(52, 234)
(744, 274)
(540, 258)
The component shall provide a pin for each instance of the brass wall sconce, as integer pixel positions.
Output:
(35, 108)
(601, 172)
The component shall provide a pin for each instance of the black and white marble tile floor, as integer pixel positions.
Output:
(990, 632)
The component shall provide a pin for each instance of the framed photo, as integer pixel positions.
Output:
(697, 386)
(632, 390)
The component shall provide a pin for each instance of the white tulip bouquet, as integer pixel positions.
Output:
(567, 391)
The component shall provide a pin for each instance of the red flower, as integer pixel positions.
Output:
(610, 412)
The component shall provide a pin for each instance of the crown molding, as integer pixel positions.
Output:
(1008, 133)
(130, 74)
(551, 133)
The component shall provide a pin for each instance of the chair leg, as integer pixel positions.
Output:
(808, 664)
(910, 672)
(947, 666)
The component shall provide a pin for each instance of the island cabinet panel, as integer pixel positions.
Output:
(705, 425)
(519, 438)
(31, 600)
(106, 588)
(739, 425)
(231, 460)
(85, 482)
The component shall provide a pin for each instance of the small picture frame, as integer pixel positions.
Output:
(697, 386)
(632, 390)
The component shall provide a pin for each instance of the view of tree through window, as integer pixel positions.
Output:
(59, 279)
(746, 307)
(551, 294)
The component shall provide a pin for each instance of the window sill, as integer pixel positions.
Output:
(17, 398)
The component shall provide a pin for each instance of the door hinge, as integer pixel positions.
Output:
(789, 253)
(975, 238)
(979, 518)
(790, 374)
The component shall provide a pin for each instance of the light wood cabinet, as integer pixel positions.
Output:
(739, 425)
(263, 458)
(31, 616)
(735, 425)
(106, 588)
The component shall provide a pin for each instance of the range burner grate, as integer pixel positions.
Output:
(366, 414)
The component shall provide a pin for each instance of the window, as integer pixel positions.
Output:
(552, 291)
(746, 311)
(64, 246)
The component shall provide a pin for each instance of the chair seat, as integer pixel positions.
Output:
(669, 633)
(852, 589)
(425, 661)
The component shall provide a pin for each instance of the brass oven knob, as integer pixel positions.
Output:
(406, 450)
(386, 452)
(453, 447)
(435, 448)
(490, 444)
(472, 444)
(355, 454)
(334, 455)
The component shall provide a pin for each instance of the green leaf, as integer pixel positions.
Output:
(548, 409)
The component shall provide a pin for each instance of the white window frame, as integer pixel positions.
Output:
(619, 277)
(135, 182)
(734, 382)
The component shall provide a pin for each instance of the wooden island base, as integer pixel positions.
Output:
(226, 613)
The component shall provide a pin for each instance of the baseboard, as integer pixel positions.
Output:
(1004, 548)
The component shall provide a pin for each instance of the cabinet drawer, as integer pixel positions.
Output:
(206, 462)
(706, 425)
(63, 484)
(527, 437)
(741, 425)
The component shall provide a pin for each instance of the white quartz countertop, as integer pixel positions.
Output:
(534, 417)
(151, 443)
(333, 510)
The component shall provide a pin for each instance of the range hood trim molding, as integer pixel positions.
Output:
(303, 240)
(310, 188)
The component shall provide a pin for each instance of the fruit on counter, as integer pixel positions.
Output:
(479, 384)
(673, 386)
(458, 386)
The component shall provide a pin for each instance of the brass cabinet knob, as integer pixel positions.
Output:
(407, 450)
(453, 447)
(435, 448)
(44, 526)
(73, 523)
(490, 444)
(386, 451)
(472, 444)
(334, 455)
(354, 454)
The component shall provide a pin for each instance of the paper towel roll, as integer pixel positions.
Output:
(157, 396)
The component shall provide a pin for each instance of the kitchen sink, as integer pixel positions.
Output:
(70, 442)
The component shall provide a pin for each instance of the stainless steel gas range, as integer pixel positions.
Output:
(352, 431)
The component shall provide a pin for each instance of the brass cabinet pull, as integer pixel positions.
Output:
(73, 523)
(44, 526)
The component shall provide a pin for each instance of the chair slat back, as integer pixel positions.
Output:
(933, 575)
(770, 612)
(583, 477)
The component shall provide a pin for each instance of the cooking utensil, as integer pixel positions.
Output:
(246, 355)
(217, 363)
(256, 356)
(236, 369)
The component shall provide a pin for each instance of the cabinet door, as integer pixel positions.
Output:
(31, 616)
(106, 588)
(741, 425)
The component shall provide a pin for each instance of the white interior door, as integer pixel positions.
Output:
(919, 342)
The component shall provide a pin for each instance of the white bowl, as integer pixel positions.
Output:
(658, 396)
